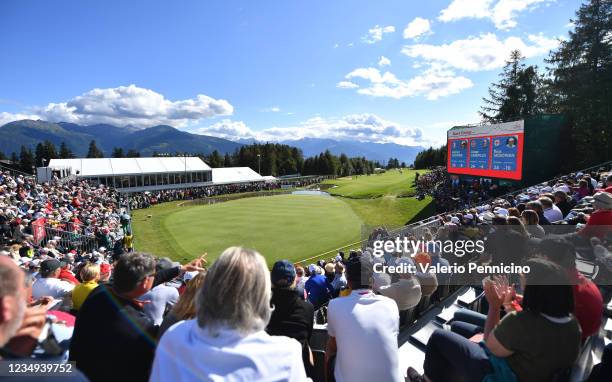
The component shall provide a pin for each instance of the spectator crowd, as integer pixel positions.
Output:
(129, 315)
(146, 199)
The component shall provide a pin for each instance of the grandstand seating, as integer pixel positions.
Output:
(432, 312)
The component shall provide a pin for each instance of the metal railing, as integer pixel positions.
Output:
(14, 172)
(66, 239)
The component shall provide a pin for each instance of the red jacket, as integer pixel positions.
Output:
(66, 275)
(588, 305)
(598, 225)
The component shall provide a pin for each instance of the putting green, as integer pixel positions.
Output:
(292, 227)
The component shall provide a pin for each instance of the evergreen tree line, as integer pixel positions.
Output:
(278, 160)
(576, 82)
(268, 159)
(44, 151)
(431, 157)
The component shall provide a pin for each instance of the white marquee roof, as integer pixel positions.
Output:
(227, 175)
(128, 166)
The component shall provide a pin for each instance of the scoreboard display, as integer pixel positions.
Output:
(494, 151)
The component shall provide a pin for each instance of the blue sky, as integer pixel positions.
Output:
(268, 69)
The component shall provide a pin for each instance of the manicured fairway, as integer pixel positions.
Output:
(283, 226)
(392, 182)
(383, 199)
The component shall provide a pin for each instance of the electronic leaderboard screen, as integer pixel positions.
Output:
(494, 151)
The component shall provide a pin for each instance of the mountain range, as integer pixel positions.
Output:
(167, 139)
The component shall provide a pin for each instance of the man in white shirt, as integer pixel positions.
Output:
(363, 329)
(49, 284)
(551, 212)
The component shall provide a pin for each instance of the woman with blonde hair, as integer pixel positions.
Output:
(90, 274)
(227, 341)
(185, 308)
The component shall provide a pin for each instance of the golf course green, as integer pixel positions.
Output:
(286, 226)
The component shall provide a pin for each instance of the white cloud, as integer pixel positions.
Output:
(346, 85)
(376, 34)
(417, 27)
(336, 46)
(384, 61)
(361, 127)
(271, 109)
(6, 117)
(129, 105)
(432, 83)
(227, 129)
(459, 9)
(502, 13)
(484, 52)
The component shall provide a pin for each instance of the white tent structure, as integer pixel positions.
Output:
(148, 174)
(137, 174)
(229, 175)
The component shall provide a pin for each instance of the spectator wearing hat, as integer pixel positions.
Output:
(318, 290)
(292, 316)
(227, 340)
(49, 283)
(362, 329)
(90, 274)
(599, 223)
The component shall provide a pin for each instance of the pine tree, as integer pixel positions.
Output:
(132, 154)
(117, 152)
(580, 85)
(515, 96)
(227, 160)
(26, 160)
(14, 159)
(65, 152)
(94, 151)
(50, 150)
(39, 155)
(215, 160)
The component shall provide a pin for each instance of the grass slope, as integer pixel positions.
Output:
(390, 183)
(381, 199)
(283, 226)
